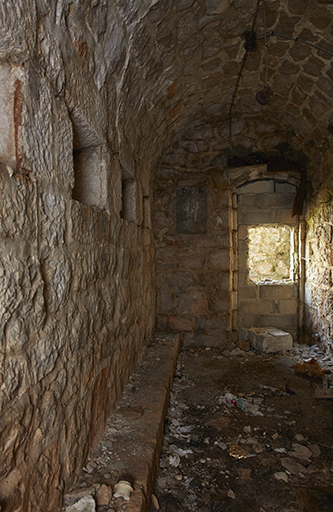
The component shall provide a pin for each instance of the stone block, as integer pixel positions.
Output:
(258, 307)
(284, 322)
(248, 292)
(181, 323)
(193, 301)
(165, 301)
(7, 91)
(247, 321)
(284, 217)
(258, 217)
(90, 225)
(276, 201)
(257, 187)
(277, 291)
(287, 306)
(219, 260)
(242, 232)
(53, 219)
(18, 217)
(180, 279)
(248, 201)
(269, 340)
(188, 260)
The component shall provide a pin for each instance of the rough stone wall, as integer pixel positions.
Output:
(76, 280)
(319, 267)
(193, 260)
(272, 304)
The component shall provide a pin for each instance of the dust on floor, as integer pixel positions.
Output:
(246, 433)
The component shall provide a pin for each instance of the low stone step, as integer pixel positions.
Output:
(131, 446)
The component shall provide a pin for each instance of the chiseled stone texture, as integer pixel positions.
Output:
(319, 268)
(152, 84)
(76, 280)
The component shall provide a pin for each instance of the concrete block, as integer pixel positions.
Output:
(242, 232)
(277, 291)
(258, 216)
(248, 201)
(257, 187)
(247, 321)
(243, 246)
(285, 188)
(269, 340)
(258, 307)
(284, 322)
(287, 307)
(276, 201)
(284, 217)
(247, 292)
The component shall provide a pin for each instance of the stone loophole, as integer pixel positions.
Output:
(270, 254)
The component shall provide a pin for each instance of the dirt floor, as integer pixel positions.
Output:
(246, 433)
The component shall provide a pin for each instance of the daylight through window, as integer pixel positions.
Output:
(270, 257)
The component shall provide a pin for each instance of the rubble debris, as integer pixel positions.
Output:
(174, 460)
(301, 452)
(327, 390)
(85, 504)
(237, 452)
(310, 368)
(295, 468)
(244, 473)
(244, 345)
(103, 495)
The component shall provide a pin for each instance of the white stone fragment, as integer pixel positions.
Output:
(86, 504)
(231, 494)
(282, 476)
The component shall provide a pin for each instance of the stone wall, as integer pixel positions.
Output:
(76, 279)
(193, 243)
(319, 268)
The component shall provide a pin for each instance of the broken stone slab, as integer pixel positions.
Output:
(327, 390)
(301, 452)
(268, 339)
(86, 504)
(293, 467)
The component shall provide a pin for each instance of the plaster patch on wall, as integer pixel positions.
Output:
(191, 210)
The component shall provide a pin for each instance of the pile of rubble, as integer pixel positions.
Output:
(245, 433)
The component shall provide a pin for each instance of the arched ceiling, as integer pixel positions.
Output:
(183, 67)
(164, 67)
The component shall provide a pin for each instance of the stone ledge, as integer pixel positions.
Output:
(133, 438)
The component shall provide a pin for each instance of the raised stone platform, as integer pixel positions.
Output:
(132, 442)
(268, 339)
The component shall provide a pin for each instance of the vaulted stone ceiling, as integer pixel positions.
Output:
(162, 66)
(183, 62)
